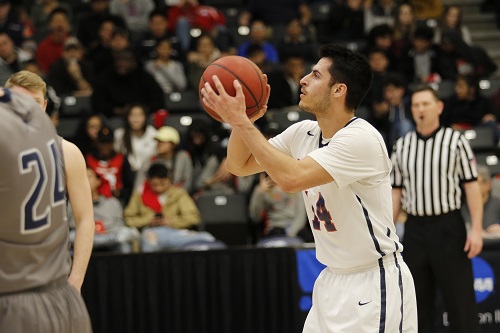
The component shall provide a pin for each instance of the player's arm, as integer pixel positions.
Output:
(240, 160)
(290, 174)
(80, 198)
(396, 203)
(474, 243)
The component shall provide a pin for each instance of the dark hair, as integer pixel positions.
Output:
(158, 170)
(424, 32)
(127, 140)
(379, 31)
(394, 79)
(58, 10)
(425, 87)
(351, 69)
(253, 49)
(471, 80)
(157, 12)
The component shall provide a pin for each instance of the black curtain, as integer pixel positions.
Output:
(219, 291)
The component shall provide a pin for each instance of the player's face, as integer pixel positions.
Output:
(426, 109)
(36, 94)
(316, 91)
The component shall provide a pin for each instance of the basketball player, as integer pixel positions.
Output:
(35, 295)
(341, 165)
(75, 173)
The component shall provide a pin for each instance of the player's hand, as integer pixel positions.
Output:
(474, 243)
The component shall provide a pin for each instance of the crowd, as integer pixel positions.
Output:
(126, 56)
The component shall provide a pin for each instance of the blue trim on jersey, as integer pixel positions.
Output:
(7, 96)
(350, 121)
(400, 280)
(383, 287)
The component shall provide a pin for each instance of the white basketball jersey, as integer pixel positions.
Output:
(351, 217)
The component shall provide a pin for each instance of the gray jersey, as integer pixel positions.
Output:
(33, 226)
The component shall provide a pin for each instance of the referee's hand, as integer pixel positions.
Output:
(474, 243)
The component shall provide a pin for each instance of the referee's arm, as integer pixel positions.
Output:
(474, 243)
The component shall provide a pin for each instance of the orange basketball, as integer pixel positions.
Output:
(232, 68)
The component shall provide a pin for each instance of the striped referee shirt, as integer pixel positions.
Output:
(430, 171)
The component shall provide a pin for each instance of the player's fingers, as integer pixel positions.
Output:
(239, 89)
(219, 86)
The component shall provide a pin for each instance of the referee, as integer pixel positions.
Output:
(430, 167)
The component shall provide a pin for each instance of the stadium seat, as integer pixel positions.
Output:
(287, 116)
(186, 101)
(446, 89)
(67, 128)
(225, 216)
(488, 87)
(489, 159)
(481, 138)
(75, 106)
(182, 121)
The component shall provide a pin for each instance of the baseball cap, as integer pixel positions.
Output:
(168, 134)
(105, 135)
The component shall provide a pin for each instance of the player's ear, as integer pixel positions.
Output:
(339, 89)
(45, 102)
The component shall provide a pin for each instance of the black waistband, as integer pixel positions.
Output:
(435, 218)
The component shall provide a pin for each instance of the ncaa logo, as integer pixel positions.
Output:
(484, 279)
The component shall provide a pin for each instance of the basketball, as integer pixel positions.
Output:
(232, 68)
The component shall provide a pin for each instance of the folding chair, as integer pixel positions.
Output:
(75, 106)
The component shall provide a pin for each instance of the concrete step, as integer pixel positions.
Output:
(491, 44)
(475, 26)
(477, 17)
(462, 2)
(486, 35)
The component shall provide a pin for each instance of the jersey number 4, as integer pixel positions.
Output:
(322, 214)
(32, 161)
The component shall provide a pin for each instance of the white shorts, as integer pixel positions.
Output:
(376, 298)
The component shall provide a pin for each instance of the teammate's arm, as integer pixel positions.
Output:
(474, 242)
(396, 203)
(80, 198)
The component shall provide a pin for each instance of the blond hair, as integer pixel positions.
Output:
(27, 80)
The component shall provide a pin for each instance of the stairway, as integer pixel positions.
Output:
(483, 29)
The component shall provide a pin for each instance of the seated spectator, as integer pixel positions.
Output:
(135, 13)
(136, 140)
(112, 40)
(158, 30)
(421, 62)
(168, 73)
(404, 28)
(281, 213)
(294, 41)
(111, 166)
(467, 108)
(491, 208)
(11, 57)
(170, 155)
(90, 23)
(379, 12)
(451, 20)
(87, 132)
(382, 37)
(259, 35)
(392, 117)
(276, 12)
(51, 48)
(164, 213)
(256, 54)
(189, 14)
(72, 75)
(111, 233)
(286, 82)
(198, 60)
(460, 58)
(346, 22)
(379, 63)
(124, 84)
(40, 13)
(10, 22)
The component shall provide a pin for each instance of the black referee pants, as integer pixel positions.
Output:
(434, 252)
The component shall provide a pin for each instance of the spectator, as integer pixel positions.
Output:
(380, 12)
(294, 41)
(168, 73)
(40, 13)
(259, 35)
(392, 117)
(382, 37)
(111, 233)
(198, 60)
(346, 22)
(87, 132)
(421, 63)
(10, 23)
(136, 140)
(285, 82)
(282, 213)
(112, 40)
(111, 166)
(89, 24)
(51, 48)
(491, 213)
(11, 57)
(276, 12)
(467, 108)
(169, 154)
(123, 85)
(158, 30)
(72, 75)
(189, 14)
(256, 54)
(134, 12)
(451, 20)
(164, 213)
(379, 63)
(404, 28)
